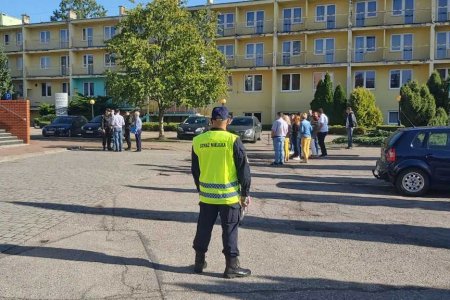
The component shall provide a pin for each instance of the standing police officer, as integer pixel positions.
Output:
(222, 176)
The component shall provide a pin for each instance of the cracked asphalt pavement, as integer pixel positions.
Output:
(88, 224)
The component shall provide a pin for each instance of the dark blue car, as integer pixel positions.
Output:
(416, 159)
(65, 126)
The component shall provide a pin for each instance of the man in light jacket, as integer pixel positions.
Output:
(350, 124)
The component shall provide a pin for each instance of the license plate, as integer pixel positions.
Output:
(89, 131)
(188, 132)
(50, 131)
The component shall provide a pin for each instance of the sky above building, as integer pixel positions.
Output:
(41, 10)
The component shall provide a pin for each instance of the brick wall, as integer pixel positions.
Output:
(15, 118)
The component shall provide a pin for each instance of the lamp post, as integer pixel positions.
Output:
(92, 102)
(399, 98)
(223, 101)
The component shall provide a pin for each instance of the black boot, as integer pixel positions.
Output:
(200, 262)
(233, 269)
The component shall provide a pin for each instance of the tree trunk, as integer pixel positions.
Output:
(161, 124)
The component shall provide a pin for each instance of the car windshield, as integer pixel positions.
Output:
(195, 120)
(63, 120)
(242, 122)
(97, 119)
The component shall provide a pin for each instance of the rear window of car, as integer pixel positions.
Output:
(439, 141)
(390, 141)
(419, 140)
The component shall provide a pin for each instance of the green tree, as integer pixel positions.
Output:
(438, 88)
(417, 104)
(364, 106)
(167, 54)
(339, 104)
(46, 109)
(83, 8)
(440, 118)
(5, 77)
(323, 97)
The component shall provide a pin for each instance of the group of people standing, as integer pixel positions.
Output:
(115, 127)
(299, 136)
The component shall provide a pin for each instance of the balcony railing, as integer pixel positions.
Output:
(287, 59)
(385, 54)
(15, 73)
(242, 61)
(329, 57)
(11, 47)
(313, 23)
(94, 41)
(416, 16)
(259, 27)
(49, 72)
(442, 52)
(225, 30)
(31, 45)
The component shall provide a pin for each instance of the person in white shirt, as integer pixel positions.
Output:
(117, 123)
(323, 131)
(279, 131)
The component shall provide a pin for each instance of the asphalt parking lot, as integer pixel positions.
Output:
(88, 224)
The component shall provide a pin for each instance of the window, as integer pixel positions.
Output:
(255, 18)
(45, 37)
(6, 39)
(399, 77)
(230, 82)
(253, 83)
(46, 89)
(365, 79)
(226, 20)
(291, 48)
(443, 9)
(88, 60)
(19, 63)
(323, 12)
(323, 46)
(439, 141)
(88, 34)
(254, 50)
(442, 44)
(66, 88)
(402, 7)
(109, 32)
(317, 76)
(290, 82)
(292, 15)
(418, 141)
(365, 44)
(110, 60)
(45, 62)
(88, 89)
(393, 117)
(400, 42)
(444, 73)
(227, 50)
(19, 39)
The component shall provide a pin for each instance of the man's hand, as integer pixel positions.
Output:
(244, 201)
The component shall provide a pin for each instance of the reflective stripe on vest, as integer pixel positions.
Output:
(218, 175)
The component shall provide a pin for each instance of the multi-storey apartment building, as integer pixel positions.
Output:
(276, 51)
(52, 57)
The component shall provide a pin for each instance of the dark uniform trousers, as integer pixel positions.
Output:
(128, 137)
(229, 216)
(107, 135)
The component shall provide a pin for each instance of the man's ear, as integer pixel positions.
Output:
(228, 121)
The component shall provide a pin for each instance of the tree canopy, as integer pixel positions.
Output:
(167, 54)
(364, 106)
(323, 97)
(417, 104)
(337, 116)
(83, 8)
(5, 77)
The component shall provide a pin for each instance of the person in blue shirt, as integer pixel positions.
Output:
(306, 131)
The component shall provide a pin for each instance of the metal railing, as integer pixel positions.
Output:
(258, 27)
(287, 59)
(223, 30)
(328, 57)
(31, 45)
(243, 61)
(313, 23)
(385, 54)
(49, 72)
(390, 17)
(442, 52)
(16, 73)
(11, 47)
(94, 41)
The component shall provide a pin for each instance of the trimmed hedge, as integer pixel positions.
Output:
(390, 128)
(362, 140)
(341, 130)
(154, 126)
(44, 120)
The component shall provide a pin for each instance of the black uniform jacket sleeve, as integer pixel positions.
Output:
(242, 167)
(195, 169)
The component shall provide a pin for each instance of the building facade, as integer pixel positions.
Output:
(276, 51)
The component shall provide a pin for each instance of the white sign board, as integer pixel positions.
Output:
(61, 103)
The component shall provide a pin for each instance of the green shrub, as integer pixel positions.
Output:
(154, 126)
(46, 109)
(417, 103)
(44, 120)
(341, 130)
(362, 140)
(440, 118)
(367, 113)
(360, 131)
(378, 133)
(390, 128)
(267, 127)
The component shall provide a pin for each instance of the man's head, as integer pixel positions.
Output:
(320, 110)
(349, 109)
(280, 114)
(220, 117)
(127, 113)
(117, 111)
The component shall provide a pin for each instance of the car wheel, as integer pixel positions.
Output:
(45, 135)
(259, 136)
(254, 139)
(412, 182)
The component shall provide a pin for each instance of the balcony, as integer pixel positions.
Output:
(386, 55)
(241, 61)
(94, 41)
(49, 72)
(260, 27)
(36, 45)
(287, 59)
(329, 57)
(380, 18)
(12, 47)
(442, 52)
(92, 70)
(15, 73)
(226, 30)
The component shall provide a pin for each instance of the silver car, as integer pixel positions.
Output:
(248, 128)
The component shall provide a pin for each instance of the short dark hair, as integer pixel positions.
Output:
(117, 110)
(320, 110)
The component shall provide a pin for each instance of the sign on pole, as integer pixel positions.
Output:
(61, 103)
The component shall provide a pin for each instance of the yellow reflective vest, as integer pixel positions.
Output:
(218, 175)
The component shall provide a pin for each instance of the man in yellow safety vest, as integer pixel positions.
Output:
(222, 176)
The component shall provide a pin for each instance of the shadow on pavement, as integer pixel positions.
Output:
(436, 237)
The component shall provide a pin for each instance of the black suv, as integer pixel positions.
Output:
(65, 126)
(193, 126)
(415, 159)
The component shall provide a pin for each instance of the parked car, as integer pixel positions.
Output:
(248, 128)
(93, 128)
(193, 126)
(65, 126)
(415, 159)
